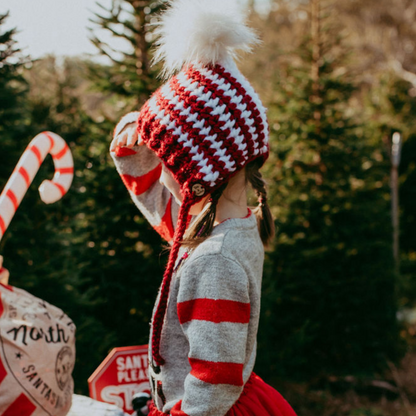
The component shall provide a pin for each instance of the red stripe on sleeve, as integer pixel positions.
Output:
(217, 373)
(176, 410)
(214, 311)
(140, 184)
(24, 174)
(22, 406)
(165, 228)
(124, 151)
(10, 194)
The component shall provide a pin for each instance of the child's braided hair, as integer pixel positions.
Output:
(262, 211)
(202, 226)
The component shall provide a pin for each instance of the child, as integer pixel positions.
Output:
(186, 159)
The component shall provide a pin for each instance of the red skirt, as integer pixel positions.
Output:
(257, 399)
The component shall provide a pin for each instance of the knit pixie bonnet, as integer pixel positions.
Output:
(205, 123)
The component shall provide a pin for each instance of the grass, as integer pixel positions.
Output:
(392, 393)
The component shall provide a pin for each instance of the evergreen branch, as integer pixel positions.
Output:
(4, 16)
(130, 39)
(113, 31)
(128, 55)
(102, 20)
(7, 36)
(100, 46)
(114, 11)
(113, 18)
(111, 57)
(97, 3)
(130, 25)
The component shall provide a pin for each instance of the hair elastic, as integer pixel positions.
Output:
(262, 200)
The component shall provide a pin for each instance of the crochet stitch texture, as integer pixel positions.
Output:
(206, 123)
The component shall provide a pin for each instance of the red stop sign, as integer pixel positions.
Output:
(122, 374)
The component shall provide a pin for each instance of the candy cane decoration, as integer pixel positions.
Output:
(26, 169)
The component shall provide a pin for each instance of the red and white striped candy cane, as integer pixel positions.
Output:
(26, 169)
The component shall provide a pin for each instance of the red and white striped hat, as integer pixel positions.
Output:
(205, 123)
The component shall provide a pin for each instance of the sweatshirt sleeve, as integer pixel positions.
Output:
(214, 312)
(140, 170)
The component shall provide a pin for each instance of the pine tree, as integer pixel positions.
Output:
(13, 89)
(19, 245)
(392, 108)
(331, 304)
(130, 76)
(116, 249)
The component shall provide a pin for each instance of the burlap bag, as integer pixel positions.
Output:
(37, 356)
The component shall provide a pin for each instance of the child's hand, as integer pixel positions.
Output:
(128, 137)
(4, 273)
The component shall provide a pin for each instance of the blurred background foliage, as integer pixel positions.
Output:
(338, 78)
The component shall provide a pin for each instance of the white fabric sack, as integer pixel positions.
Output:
(37, 356)
(85, 406)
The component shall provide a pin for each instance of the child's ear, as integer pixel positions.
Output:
(197, 208)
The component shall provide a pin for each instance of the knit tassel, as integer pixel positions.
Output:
(159, 316)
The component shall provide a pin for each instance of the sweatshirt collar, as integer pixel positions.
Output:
(247, 222)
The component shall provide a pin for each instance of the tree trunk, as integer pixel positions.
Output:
(316, 54)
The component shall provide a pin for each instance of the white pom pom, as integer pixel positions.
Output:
(206, 31)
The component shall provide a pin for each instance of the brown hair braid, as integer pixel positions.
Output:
(202, 226)
(264, 216)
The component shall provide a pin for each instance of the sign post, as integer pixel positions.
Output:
(122, 374)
